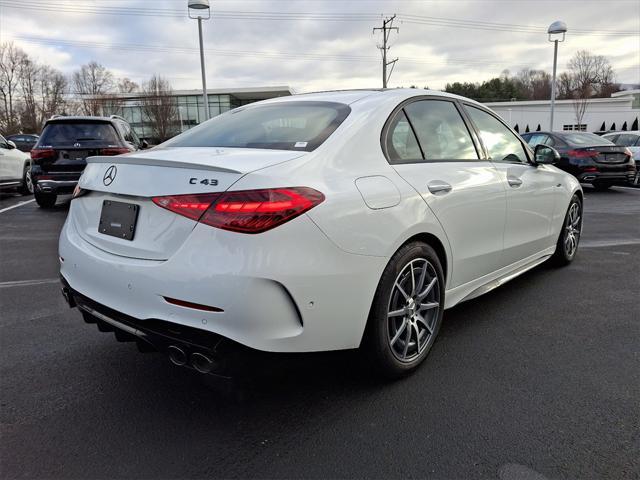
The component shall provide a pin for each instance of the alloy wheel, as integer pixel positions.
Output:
(572, 229)
(413, 310)
(28, 181)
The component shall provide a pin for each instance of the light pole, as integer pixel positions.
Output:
(199, 7)
(556, 29)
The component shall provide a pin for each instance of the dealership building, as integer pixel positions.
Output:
(619, 112)
(190, 105)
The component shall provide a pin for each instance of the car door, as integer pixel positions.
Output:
(430, 145)
(11, 162)
(531, 190)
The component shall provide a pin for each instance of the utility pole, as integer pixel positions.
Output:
(387, 27)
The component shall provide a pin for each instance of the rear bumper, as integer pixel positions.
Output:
(58, 183)
(610, 177)
(287, 290)
(157, 335)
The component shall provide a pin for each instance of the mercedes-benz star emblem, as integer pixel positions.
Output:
(109, 175)
(77, 145)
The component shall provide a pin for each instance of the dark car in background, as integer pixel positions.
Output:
(590, 158)
(24, 141)
(60, 155)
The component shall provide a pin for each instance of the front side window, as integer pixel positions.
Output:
(441, 131)
(500, 142)
(401, 141)
(300, 126)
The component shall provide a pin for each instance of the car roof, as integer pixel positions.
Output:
(622, 132)
(350, 96)
(76, 118)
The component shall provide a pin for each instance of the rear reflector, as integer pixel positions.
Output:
(248, 211)
(196, 306)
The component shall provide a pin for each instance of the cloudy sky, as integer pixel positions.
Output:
(321, 44)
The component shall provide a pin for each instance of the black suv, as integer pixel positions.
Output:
(59, 157)
(590, 158)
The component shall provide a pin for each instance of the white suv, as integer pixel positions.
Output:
(15, 168)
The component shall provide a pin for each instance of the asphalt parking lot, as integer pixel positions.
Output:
(538, 379)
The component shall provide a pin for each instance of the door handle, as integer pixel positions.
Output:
(438, 186)
(514, 181)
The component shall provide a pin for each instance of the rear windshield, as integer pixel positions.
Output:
(585, 139)
(85, 133)
(282, 126)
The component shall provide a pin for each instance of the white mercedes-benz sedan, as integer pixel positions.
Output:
(314, 222)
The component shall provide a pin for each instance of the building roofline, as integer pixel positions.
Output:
(520, 103)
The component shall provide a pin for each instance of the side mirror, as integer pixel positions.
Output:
(144, 145)
(11, 144)
(546, 155)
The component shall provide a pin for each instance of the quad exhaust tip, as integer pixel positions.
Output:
(203, 363)
(177, 355)
(199, 361)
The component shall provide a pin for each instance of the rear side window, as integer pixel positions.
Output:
(300, 126)
(501, 143)
(441, 131)
(536, 139)
(401, 141)
(60, 134)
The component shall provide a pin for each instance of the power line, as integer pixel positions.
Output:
(476, 62)
(282, 16)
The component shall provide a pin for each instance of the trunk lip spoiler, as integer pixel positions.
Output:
(127, 160)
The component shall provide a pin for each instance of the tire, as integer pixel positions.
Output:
(27, 184)
(396, 350)
(601, 187)
(571, 230)
(45, 200)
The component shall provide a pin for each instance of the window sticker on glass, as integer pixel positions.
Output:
(300, 144)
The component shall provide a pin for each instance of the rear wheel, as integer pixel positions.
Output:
(45, 200)
(27, 184)
(407, 310)
(567, 245)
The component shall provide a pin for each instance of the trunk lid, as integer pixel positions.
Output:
(135, 178)
(609, 154)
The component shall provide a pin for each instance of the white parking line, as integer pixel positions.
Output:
(17, 205)
(28, 283)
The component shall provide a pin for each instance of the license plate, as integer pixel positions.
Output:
(118, 219)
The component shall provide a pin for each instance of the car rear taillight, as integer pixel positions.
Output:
(42, 153)
(190, 206)
(247, 211)
(590, 169)
(582, 153)
(114, 151)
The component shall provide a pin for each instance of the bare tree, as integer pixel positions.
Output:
(53, 86)
(91, 83)
(126, 85)
(11, 58)
(565, 86)
(29, 77)
(535, 84)
(592, 75)
(580, 104)
(160, 107)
